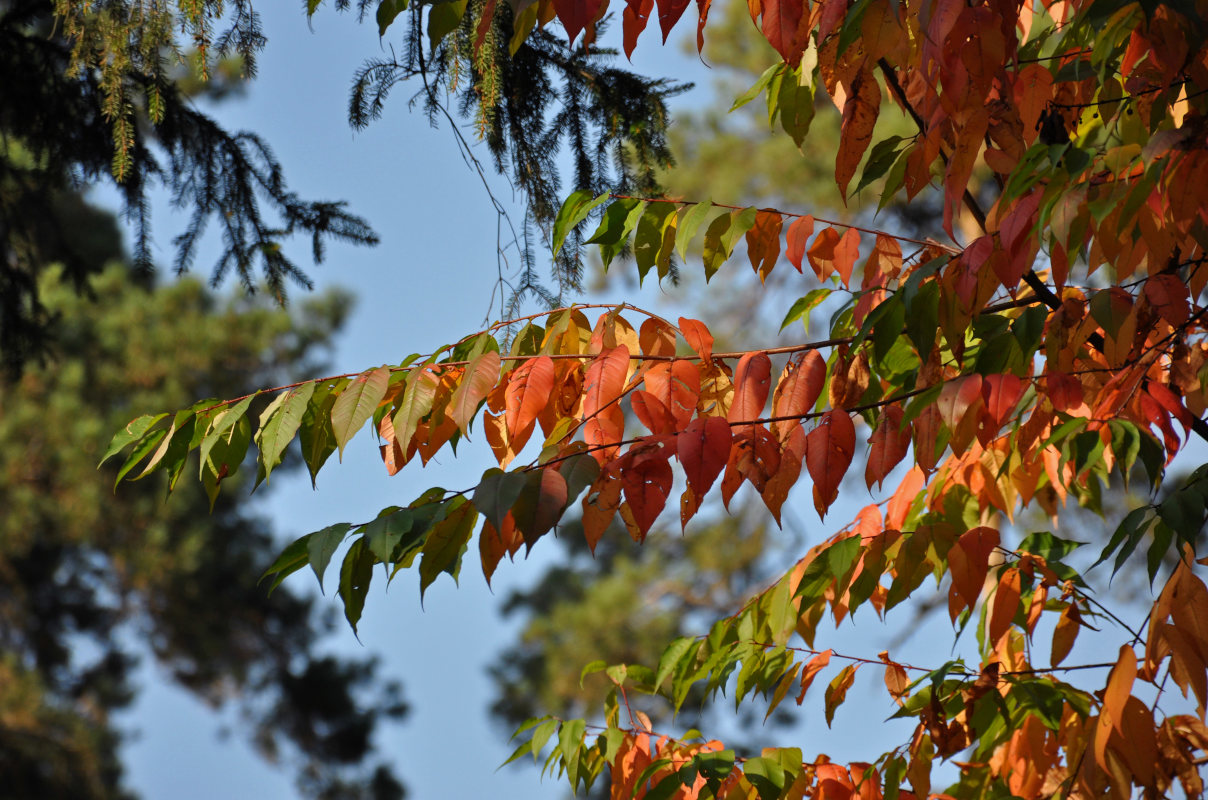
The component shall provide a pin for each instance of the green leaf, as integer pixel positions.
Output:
(446, 543)
(648, 242)
(292, 559)
(386, 12)
(416, 404)
(882, 156)
(574, 211)
(570, 740)
(315, 434)
(802, 307)
(142, 448)
(716, 251)
(321, 545)
(616, 225)
(443, 19)
(222, 424)
(356, 404)
(496, 493)
(795, 104)
(766, 775)
(225, 457)
(672, 655)
(355, 574)
(135, 429)
(760, 85)
(542, 735)
(741, 221)
(278, 424)
(383, 535)
(579, 472)
(922, 317)
(693, 218)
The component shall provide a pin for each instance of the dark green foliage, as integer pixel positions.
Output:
(91, 97)
(530, 108)
(86, 573)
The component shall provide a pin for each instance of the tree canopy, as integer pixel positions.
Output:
(1046, 347)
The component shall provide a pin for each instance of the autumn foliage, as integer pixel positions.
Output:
(1057, 354)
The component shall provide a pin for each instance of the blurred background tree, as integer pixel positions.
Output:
(91, 580)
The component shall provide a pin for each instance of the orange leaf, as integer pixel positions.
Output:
(703, 449)
(527, 392)
(798, 235)
(605, 381)
(969, 562)
(651, 412)
(677, 387)
(859, 118)
(887, 445)
(479, 378)
(599, 507)
(752, 377)
(836, 692)
(904, 497)
(828, 454)
(1119, 687)
(763, 242)
(822, 253)
(1006, 603)
(776, 491)
(698, 337)
(896, 680)
(656, 338)
(816, 665)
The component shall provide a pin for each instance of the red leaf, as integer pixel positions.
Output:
(605, 423)
(1001, 394)
(780, 20)
(698, 337)
(752, 377)
(798, 390)
(1064, 391)
(859, 118)
(887, 445)
(903, 498)
(1170, 297)
(828, 454)
(669, 13)
(702, 9)
(969, 562)
(575, 15)
(651, 412)
(959, 406)
(647, 482)
(527, 393)
(633, 22)
(798, 235)
(704, 449)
